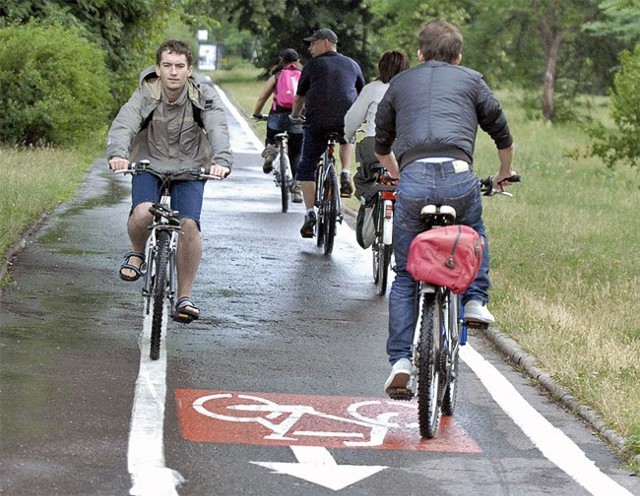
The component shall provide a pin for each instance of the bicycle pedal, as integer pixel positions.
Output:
(399, 393)
(472, 324)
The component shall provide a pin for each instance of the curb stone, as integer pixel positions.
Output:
(527, 362)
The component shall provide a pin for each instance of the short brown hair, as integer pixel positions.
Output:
(177, 47)
(391, 63)
(440, 40)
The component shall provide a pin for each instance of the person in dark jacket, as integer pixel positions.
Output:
(329, 84)
(175, 124)
(430, 114)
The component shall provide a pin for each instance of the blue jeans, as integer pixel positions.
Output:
(421, 184)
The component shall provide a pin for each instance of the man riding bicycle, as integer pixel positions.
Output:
(431, 114)
(329, 84)
(175, 124)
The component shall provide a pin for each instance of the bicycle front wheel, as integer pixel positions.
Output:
(429, 367)
(159, 291)
(382, 253)
(330, 207)
(320, 223)
(284, 180)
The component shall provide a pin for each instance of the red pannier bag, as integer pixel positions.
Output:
(446, 256)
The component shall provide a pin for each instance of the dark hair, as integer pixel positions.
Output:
(440, 40)
(287, 57)
(391, 63)
(177, 47)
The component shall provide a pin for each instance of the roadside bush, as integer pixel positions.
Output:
(55, 88)
(622, 143)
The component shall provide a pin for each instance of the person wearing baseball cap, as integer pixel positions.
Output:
(323, 34)
(329, 84)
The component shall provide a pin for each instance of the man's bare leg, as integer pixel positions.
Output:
(188, 256)
(138, 230)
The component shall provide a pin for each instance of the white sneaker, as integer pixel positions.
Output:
(476, 311)
(399, 377)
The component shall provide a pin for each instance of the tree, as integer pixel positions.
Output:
(533, 41)
(622, 143)
(279, 24)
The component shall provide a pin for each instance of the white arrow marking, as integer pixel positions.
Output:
(316, 465)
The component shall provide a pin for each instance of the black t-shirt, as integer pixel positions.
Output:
(330, 83)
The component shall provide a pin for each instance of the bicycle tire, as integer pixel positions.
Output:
(384, 260)
(451, 392)
(284, 183)
(320, 222)
(159, 291)
(331, 194)
(429, 366)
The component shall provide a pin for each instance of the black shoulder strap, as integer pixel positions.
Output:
(197, 115)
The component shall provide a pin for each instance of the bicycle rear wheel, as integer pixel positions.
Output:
(451, 392)
(159, 291)
(284, 180)
(330, 207)
(429, 366)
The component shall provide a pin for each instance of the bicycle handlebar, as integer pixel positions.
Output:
(145, 166)
(486, 186)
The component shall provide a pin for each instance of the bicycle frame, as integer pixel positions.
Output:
(282, 170)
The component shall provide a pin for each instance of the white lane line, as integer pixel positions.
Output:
(149, 475)
(551, 441)
(248, 137)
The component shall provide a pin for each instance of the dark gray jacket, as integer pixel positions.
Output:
(434, 110)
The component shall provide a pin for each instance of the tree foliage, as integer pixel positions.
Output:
(622, 143)
(55, 85)
(128, 32)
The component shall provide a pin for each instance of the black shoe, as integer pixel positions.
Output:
(346, 187)
(306, 231)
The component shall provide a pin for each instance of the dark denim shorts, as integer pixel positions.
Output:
(186, 196)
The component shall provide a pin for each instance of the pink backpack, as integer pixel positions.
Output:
(286, 87)
(446, 256)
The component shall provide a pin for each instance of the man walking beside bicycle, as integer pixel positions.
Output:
(329, 84)
(175, 124)
(430, 114)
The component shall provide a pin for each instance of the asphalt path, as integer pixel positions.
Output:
(276, 390)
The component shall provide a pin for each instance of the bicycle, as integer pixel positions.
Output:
(160, 281)
(441, 329)
(327, 197)
(382, 246)
(283, 176)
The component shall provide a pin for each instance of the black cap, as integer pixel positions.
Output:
(323, 34)
(289, 55)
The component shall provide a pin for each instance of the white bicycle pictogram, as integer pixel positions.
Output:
(282, 419)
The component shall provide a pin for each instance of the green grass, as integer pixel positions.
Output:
(564, 251)
(36, 180)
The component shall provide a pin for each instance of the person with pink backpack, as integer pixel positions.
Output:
(282, 84)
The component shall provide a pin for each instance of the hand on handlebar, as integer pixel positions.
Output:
(218, 171)
(501, 181)
(260, 117)
(118, 164)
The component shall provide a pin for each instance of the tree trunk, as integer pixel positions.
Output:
(549, 81)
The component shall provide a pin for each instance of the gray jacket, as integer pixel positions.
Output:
(434, 110)
(197, 146)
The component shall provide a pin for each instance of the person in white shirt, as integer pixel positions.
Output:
(363, 110)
